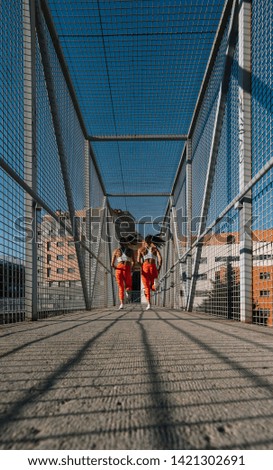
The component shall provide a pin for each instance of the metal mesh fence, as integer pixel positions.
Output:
(57, 231)
(218, 279)
(47, 253)
(262, 151)
(12, 243)
(226, 177)
(219, 282)
(59, 283)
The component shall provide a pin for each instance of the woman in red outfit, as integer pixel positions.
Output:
(124, 257)
(148, 255)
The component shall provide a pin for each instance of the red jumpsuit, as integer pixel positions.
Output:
(123, 277)
(148, 275)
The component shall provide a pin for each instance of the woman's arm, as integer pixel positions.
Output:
(114, 259)
(159, 259)
(139, 256)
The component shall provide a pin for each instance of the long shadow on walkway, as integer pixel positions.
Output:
(154, 380)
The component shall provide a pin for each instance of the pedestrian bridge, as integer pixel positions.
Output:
(127, 119)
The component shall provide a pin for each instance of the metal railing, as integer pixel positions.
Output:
(226, 249)
(55, 218)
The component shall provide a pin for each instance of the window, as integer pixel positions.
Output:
(264, 293)
(48, 258)
(48, 272)
(71, 270)
(60, 257)
(262, 257)
(60, 270)
(260, 316)
(48, 246)
(226, 258)
(60, 243)
(265, 275)
(71, 243)
(202, 276)
(71, 256)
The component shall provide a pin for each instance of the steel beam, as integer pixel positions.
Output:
(151, 222)
(87, 204)
(214, 51)
(219, 116)
(110, 249)
(137, 137)
(41, 203)
(179, 168)
(56, 43)
(138, 195)
(177, 244)
(30, 155)
(189, 214)
(66, 74)
(245, 152)
(102, 222)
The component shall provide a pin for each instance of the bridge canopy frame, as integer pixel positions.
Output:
(200, 174)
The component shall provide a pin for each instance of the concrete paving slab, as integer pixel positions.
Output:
(162, 379)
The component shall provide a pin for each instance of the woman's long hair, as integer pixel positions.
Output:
(155, 239)
(130, 239)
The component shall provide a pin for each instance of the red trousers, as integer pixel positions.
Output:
(123, 277)
(148, 274)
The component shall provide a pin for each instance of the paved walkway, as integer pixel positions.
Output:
(130, 379)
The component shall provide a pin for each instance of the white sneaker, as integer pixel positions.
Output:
(120, 307)
(148, 307)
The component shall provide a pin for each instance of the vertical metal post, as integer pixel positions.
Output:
(189, 215)
(245, 158)
(30, 155)
(87, 203)
(109, 241)
(100, 234)
(167, 254)
(219, 116)
(172, 290)
(178, 270)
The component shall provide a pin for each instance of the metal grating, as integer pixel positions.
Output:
(137, 67)
(262, 148)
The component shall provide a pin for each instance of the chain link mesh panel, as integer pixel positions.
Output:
(12, 223)
(218, 276)
(218, 279)
(46, 224)
(262, 151)
(35, 210)
(202, 136)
